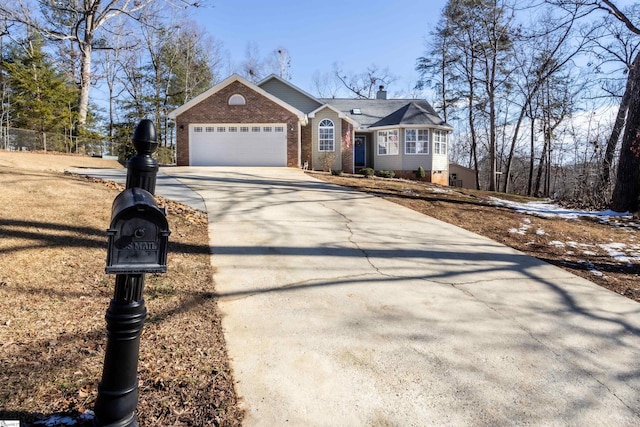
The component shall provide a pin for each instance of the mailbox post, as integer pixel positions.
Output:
(138, 237)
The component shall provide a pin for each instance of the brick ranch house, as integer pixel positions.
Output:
(274, 123)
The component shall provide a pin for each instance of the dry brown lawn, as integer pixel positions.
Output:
(582, 246)
(54, 294)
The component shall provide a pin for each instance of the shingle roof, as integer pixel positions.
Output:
(388, 112)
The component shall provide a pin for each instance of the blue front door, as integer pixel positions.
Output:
(360, 152)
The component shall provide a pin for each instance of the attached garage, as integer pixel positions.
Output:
(236, 123)
(241, 144)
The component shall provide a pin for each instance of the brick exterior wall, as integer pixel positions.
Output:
(306, 145)
(216, 109)
(347, 147)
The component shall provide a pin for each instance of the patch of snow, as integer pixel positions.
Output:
(523, 227)
(596, 273)
(590, 253)
(556, 243)
(440, 190)
(616, 251)
(548, 209)
(540, 232)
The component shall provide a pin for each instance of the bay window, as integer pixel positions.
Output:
(416, 141)
(388, 144)
(439, 142)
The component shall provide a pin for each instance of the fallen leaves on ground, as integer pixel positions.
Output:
(54, 295)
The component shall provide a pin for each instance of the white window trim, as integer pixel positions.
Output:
(237, 99)
(440, 145)
(425, 143)
(332, 127)
(388, 143)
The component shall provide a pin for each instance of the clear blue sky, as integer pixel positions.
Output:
(353, 33)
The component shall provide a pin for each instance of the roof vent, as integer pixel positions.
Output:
(382, 94)
(356, 111)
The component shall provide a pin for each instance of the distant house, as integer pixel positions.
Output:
(274, 123)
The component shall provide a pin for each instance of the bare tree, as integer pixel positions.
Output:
(627, 186)
(78, 22)
(252, 67)
(540, 56)
(470, 54)
(326, 85)
(556, 105)
(365, 85)
(280, 63)
(615, 47)
(435, 68)
(109, 66)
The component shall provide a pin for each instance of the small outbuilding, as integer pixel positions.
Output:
(460, 176)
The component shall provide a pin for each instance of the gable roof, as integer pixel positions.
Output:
(362, 113)
(376, 113)
(289, 93)
(340, 114)
(226, 82)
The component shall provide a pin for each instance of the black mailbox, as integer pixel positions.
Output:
(138, 234)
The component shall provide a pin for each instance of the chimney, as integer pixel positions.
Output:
(382, 94)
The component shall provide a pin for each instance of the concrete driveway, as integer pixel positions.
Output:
(342, 309)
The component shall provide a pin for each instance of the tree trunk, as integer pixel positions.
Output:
(86, 49)
(532, 157)
(85, 85)
(443, 81)
(543, 158)
(612, 142)
(474, 144)
(627, 188)
(512, 149)
(492, 135)
(547, 188)
(471, 62)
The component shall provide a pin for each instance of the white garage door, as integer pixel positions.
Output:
(238, 144)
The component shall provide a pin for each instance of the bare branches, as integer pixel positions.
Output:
(619, 15)
(587, 7)
(364, 85)
(81, 22)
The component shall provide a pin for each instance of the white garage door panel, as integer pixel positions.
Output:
(212, 147)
